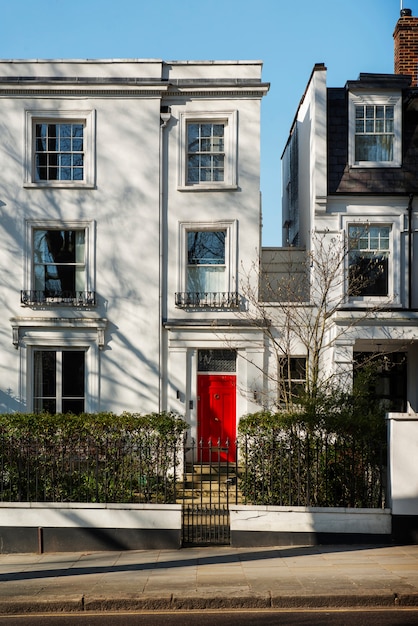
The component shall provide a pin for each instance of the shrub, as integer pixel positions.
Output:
(99, 457)
(294, 459)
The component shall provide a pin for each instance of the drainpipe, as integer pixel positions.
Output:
(165, 116)
(411, 198)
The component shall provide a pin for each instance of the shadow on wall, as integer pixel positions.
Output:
(9, 403)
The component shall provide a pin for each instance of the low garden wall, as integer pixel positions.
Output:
(284, 525)
(75, 527)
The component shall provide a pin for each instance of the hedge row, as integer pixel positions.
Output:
(287, 460)
(99, 457)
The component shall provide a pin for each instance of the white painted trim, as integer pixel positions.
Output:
(60, 333)
(88, 117)
(230, 118)
(79, 515)
(231, 250)
(395, 223)
(47, 224)
(383, 98)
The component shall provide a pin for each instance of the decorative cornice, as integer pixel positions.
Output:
(130, 93)
(214, 324)
(130, 87)
(25, 92)
(78, 323)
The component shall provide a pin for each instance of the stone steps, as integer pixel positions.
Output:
(209, 485)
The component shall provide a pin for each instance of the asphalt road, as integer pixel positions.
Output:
(372, 617)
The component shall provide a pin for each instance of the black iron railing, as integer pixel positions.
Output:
(87, 469)
(206, 476)
(319, 470)
(69, 298)
(207, 299)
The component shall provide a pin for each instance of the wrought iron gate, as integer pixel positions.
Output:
(208, 489)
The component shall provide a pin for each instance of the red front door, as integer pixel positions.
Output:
(216, 415)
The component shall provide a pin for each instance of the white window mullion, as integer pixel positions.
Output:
(58, 390)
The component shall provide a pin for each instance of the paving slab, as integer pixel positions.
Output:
(211, 577)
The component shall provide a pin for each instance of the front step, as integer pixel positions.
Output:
(209, 484)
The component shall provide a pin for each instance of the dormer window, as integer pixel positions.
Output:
(374, 134)
(375, 130)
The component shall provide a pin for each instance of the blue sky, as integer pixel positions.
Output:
(289, 36)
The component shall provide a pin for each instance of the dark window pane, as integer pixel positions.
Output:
(52, 130)
(193, 137)
(217, 360)
(206, 247)
(369, 276)
(388, 383)
(65, 145)
(44, 374)
(73, 373)
(77, 145)
(73, 406)
(56, 143)
(47, 405)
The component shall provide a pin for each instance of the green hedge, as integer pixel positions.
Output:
(289, 459)
(99, 457)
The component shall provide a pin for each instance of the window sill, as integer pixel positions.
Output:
(380, 165)
(59, 185)
(203, 187)
(377, 302)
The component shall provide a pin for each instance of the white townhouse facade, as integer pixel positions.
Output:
(130, 210)
(350, 177)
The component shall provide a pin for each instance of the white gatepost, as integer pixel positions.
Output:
(403, 475)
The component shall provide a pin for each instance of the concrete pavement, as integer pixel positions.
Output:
(211, 577)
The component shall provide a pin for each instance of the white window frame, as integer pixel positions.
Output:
(230, 251)
(229, 119)
(87, 118)
(50, 335)
(87, 225)
(394, 275)
(58, 351)
(289, 382)
(382, 98)
(70, 343)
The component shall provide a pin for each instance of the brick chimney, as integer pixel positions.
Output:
(406, 46)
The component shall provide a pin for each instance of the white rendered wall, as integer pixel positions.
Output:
(129, 367)
(403, 454)
(309, 520)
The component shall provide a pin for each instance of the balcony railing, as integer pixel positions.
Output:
(207, 299)
(52, 298)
